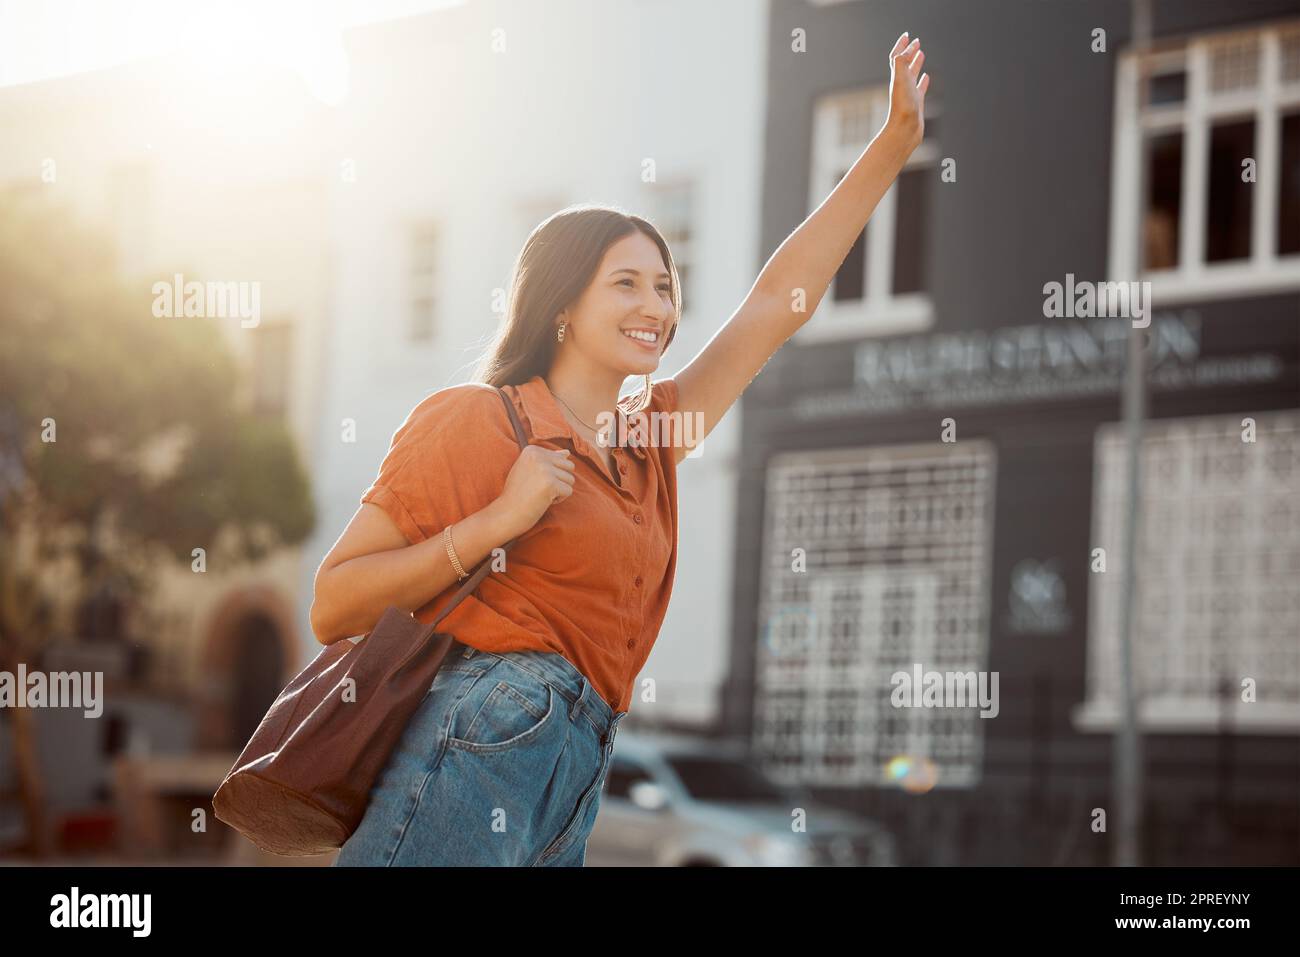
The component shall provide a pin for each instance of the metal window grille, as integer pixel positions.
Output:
(897, 543)
(1219, 563)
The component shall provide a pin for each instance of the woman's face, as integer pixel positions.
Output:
(630, 291)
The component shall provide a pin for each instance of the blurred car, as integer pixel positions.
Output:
(675, 800)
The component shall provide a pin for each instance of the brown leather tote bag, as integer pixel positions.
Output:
(303, 781)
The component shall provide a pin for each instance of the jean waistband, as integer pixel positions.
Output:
(561, 674)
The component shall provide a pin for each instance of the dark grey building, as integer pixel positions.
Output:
(933, 468)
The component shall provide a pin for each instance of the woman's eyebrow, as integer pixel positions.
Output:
(637, 272)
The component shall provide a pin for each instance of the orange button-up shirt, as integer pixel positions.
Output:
(591, 580)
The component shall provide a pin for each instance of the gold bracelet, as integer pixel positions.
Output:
(451, 553)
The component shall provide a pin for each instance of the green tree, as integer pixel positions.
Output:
(83, 356)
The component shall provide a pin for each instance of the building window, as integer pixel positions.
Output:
(272, 354)
(1164, 172)
(883, 284)
(673, 211)
(897, 547)
(1218, 583)
(1185, 213)
(422, 253)
(911, 215)
(1288, 233)
(1228, 198)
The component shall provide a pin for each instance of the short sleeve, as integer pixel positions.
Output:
(663, 400)
(663, 395)
(446, 461)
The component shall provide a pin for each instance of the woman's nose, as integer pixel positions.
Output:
(659, 309)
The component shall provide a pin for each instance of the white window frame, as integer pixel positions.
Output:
(683, 250)
(879, 312)
(1194, 279)
(397, 353)
(410, 276)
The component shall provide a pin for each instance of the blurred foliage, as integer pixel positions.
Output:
(81, 348)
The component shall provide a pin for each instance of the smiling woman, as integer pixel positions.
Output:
(595, 298)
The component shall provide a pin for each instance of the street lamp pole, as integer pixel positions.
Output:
(1128, 746)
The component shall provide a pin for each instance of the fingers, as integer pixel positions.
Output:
(562, 486)
(907, 52)
(559, 471)
(913, 58)
(562, 491)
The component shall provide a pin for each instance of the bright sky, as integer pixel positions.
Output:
(41, 39)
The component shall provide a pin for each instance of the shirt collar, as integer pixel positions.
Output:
(547, 421)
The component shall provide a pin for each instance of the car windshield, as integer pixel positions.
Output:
(719, 779)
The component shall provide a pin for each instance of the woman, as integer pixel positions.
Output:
(504, 760)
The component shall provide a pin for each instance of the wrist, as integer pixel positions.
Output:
(502, 520)
(904, 132)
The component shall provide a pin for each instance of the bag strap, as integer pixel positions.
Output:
(485, 566)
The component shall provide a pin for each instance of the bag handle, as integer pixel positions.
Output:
(485, 566)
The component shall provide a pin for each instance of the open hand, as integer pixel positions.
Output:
(907, 86)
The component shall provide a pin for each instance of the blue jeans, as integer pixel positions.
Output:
(502, 763)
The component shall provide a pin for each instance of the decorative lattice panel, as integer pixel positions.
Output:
(1290, 43)
(897, 544)
(1234, 65)
(1218, 575)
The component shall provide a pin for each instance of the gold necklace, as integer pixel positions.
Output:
(575, 415)
(594, 430)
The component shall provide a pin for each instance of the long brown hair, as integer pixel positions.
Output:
(556, 264)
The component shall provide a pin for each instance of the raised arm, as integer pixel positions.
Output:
(809, 257)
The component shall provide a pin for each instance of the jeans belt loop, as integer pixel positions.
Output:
(576, 708)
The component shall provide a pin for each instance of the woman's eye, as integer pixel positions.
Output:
(665, 287)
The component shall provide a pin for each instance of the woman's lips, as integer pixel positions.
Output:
(648, 346)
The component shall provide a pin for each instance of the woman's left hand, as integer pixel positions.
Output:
(907, 86)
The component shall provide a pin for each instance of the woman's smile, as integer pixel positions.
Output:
(647, 339)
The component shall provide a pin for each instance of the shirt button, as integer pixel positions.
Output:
(637, 518)
(622, 468)
(631, 642)
(637, 581)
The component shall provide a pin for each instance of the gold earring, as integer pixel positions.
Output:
(559, 334)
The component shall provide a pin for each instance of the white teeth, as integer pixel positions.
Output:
(643, 336)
